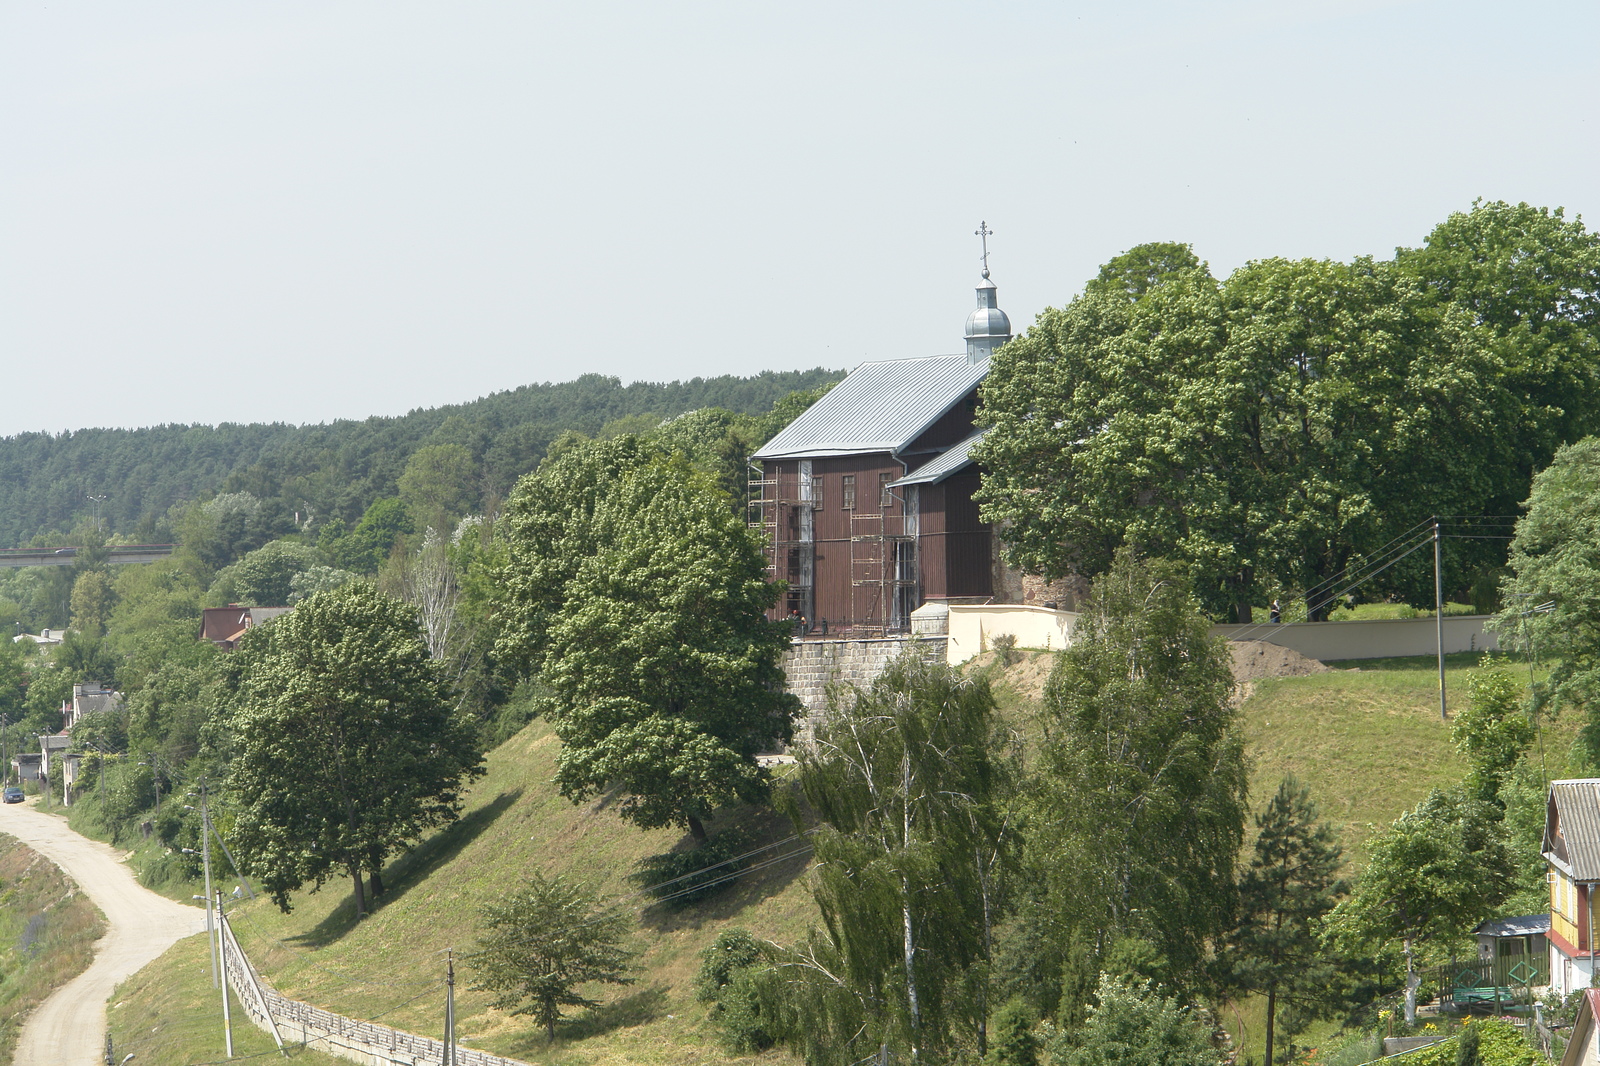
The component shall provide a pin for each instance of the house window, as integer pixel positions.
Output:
(885, 495)
(849, 503)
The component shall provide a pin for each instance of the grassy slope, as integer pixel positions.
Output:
(1367, 741)
(169, 1013)
(46, 932)
(516, 822)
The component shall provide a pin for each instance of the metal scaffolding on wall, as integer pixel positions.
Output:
(883, 573)
(781, 508)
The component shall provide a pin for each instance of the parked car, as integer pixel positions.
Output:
(13, 794)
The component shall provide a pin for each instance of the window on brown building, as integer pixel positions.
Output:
(849, 492)
(885, 494)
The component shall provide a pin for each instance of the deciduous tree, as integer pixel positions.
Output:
(346, 746)
(542, 942)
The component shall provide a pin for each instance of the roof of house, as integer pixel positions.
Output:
(880, 407)
(1572, 837)
(1588, 1008)
(1527, 925)
(227, 624)
(943, 465)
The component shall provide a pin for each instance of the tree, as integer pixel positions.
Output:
(1292, 882)
(1493, 730)
(438, 485)
(541, 943)
(1553, 596)
(1290, 422)
(92, 600)
(1140, 797)
(346, 746)
(265, 577)
(1132, 1024)
(909, 781)
(1439, 869)
(549, 531)
(664, 666)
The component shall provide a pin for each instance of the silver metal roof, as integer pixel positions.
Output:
(937, 469)
(1527, 925)
(880, 407)
(1577, 809)
(988, 322)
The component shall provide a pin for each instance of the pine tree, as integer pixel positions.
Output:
(1292, 882)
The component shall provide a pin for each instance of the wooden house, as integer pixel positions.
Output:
(1572, 850)
(866, 498)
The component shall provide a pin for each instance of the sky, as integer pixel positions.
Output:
(302, 211)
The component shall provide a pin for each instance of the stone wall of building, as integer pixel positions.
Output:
(812, 665)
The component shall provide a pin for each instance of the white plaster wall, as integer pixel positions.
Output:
(974, 627)
(1332, 641)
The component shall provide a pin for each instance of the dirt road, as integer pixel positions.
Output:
(69, 1028)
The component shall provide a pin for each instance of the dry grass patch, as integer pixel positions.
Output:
(47, 934)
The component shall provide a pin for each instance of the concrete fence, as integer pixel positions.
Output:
(294, 1022)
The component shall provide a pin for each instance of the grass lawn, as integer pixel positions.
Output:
(168, 1013)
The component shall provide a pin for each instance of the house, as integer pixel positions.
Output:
(1572, 849)
(89, 697)
(866, 498)
(46, 637)
(223, 626)
(1583, 1043)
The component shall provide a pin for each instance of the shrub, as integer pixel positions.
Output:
(684, 878)
(730, 978)
(1005, 648)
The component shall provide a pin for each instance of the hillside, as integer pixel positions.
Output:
(334, 469)
(1365, 738)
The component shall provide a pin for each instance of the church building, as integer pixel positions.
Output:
(866, 498)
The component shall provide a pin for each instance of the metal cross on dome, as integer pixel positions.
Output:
(984, 232)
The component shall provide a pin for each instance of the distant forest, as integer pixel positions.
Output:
(334, 470)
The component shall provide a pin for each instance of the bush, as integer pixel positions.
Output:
(1005, 648)
(684, 878)
(730, 978)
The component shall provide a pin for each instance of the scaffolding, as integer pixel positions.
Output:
(883, 573)
(781, 507)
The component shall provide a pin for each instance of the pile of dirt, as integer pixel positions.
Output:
(1256, 659)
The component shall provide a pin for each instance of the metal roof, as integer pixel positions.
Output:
(1527, 925)
(1577, 806)
(937, 469)
(881, 406)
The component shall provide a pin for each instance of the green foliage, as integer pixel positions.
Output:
(1292, 883)
(1555, 559)
(1498, 1044)
(366, 547)
(1005, 647)
(540, 944)
(682, 879)
(345, 744)
(327, 471)
(1131, 275)
(92, 600)
(1277, 427)
(314, 579)
(910, 782)
(1134, 1025)
(1013, 1042)
(645, 595)
(265, 577)
(1436, 872)
(1140, 793)
(730, 979)
(439, 484)
(1493, 730)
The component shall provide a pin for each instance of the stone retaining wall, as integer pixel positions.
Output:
(812, 665)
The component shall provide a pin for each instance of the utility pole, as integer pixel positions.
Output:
(1438, 616)
(450, 1009)
(227, 1017)
(205, 859)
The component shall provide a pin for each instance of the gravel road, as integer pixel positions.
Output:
(69, 1028)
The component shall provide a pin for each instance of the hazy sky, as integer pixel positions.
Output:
(296, 212)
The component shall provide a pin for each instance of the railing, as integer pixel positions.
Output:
(1502, 981)
(292, 1021)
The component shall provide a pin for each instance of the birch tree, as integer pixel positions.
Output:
(909, 780)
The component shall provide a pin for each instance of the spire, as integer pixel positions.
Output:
(987, 327)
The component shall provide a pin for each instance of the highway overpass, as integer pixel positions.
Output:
(66, 556)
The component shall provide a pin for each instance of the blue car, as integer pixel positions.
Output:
(13, 794)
